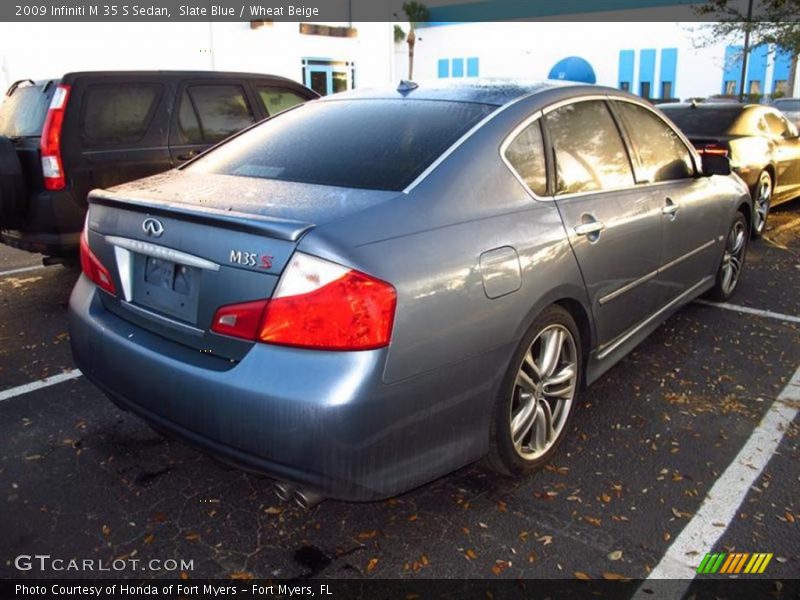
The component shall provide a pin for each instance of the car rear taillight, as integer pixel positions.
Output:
(713, 149)
(93, 268)
(239, 320)
(317, 304)
(52, 165)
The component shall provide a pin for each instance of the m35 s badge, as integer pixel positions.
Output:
(251, 259)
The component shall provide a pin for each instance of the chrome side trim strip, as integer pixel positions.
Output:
(637, 282)
(156, 251)
(628, 287)
(680, 259)
(604, 351)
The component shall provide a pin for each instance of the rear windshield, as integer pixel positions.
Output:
(790, 105)
(22, 113)
(369, 144)
(693, 121)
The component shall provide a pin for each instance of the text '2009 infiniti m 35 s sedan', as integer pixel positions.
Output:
(374, 289)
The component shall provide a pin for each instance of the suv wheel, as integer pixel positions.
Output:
(538, 395)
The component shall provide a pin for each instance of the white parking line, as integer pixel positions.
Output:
(751, 311)
(726, 496)
(22, 270)
(37, 385)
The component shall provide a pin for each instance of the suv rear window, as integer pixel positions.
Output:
(22, 113)
(118, 113)
(368, 144)
(712, 121)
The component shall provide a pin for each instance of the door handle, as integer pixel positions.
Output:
(589, 228)
(670, 208)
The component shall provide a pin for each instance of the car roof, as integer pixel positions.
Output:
(496, 92)
(176, 75)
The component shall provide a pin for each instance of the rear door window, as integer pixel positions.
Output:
(118, 113)
(660, 153)
(369, 144)
(22, 113)
(217, 111)
(526, 155)
(277, 99)
(589, 153)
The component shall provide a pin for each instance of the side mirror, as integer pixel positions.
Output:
(714, 164)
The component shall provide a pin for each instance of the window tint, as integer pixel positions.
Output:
(118, 113)
(372, 144)
(589, 154)
(23, 112)
(662, 156)
(703, 120)
(187, 121)
(222, 110)
(791, 105)
(776, 126)
(526, 155)
(276, 99)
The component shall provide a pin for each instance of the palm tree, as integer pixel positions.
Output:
(416, 12)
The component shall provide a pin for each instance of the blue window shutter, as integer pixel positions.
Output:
(444, 68)
(458, 67)
(669, 67)
(647, 68)
(626, 58)
(472, 67)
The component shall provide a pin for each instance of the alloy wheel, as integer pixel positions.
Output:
(733, 258)
(543, 392)
(763, 198)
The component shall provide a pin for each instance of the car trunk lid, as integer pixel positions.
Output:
(180, 246)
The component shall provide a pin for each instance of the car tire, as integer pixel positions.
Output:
(732, 263)
(537, 396)
(13, 193)
(762, 202)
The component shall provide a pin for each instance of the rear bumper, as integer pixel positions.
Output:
(52, 225)
(321, 419)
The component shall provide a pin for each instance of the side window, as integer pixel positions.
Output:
(588, 150)
(188, 124)
(221, 109)
(526, 154)
(117, 114)
(277, 99)
(776, 127)
(662, 156)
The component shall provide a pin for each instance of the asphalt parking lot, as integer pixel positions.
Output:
(79, 478)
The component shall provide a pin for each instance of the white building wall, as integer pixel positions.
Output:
(530, 49)
(44, 50)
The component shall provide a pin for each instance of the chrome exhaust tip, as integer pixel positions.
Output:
(306, 499)
(283, 490)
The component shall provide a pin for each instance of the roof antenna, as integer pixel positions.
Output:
(406, 86)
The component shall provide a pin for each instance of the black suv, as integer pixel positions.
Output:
(59, 139)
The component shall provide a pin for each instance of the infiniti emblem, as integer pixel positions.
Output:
(153, 227)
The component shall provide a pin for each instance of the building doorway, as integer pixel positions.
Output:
(327, 77)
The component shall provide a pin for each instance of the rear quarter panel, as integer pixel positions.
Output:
(428, 243)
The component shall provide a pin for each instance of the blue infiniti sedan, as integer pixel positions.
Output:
(371, 290)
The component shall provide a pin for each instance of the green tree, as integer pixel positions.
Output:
(760, 21)
(416, 13)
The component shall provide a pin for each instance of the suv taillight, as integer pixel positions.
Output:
(93, 268)
(52, 165)
(317, 304)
